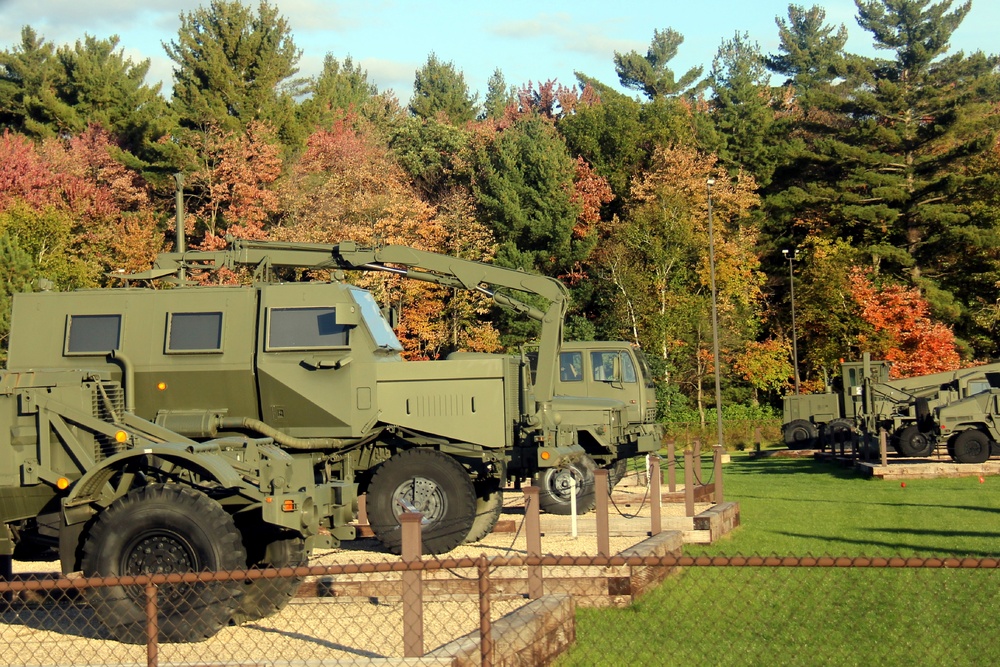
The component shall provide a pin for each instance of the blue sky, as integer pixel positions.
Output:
(528, 40)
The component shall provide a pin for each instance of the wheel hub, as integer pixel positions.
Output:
(562, 481)
(422, 495)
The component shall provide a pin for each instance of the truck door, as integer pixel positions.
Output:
(614, 374)
(315, 356)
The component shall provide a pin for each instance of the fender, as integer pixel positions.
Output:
(93, 486)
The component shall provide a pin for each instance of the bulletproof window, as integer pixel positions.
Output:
(194, 332)
(305, 329)
(93, 334)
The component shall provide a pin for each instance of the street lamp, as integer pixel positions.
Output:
(715, 311)
(791, 256)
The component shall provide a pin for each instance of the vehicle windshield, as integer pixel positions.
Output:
(383, 334)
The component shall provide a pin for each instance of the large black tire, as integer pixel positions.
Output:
(268, 547)
(972, 446)
(800, 434)
(161, 529)
(488, 509)
(838, 430)
(554, 486)
(429, 482)
(912, 442)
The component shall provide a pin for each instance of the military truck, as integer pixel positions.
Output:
(110, 494)
(615, 371)
(864, 397)
(971, 426)
(315, 365)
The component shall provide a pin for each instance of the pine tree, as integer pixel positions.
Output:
(233, 66)
(440, 88)
(498, 96)
(741, 108)
(340, 87)
(651, 74)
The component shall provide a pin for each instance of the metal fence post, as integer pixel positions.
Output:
(671, 466)
(601, 492)
(656, 524)
(688, 482)
(152, 627)
(485, 628)
(717, 473)
(533, 536)
(413, 607)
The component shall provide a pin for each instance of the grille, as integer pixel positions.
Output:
(105, 445)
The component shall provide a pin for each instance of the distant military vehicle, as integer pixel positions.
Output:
(971, 426)
(111, 494)
(316, 366)
(864, 396)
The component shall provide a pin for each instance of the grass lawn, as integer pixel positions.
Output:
(820, 616)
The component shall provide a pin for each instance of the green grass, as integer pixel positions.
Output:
(820, 616)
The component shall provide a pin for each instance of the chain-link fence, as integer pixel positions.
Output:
(718, 610)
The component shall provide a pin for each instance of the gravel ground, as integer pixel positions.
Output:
(324, 628)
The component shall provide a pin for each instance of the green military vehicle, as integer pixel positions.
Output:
(316, 366)
(613, 371)
(971, 426)
(863, 397)
(110, 494)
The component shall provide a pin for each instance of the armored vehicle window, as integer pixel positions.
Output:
(978, 387)
(377, 325)
(304, 328)
(93, 334)
(194, 332)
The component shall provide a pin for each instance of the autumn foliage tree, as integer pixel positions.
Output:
(901, 329)
(346, 186)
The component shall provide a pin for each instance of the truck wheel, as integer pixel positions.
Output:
(911, 442)
(425, 481)
(800, 434)
(971, 446)
(554, 486)
(161, 529)
(266, 547)
(488, 511)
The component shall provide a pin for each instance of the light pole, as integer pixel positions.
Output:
(791, 256)
(715, 311)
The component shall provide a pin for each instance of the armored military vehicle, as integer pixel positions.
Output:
(863, 397)
(316, 366)
(111, 494)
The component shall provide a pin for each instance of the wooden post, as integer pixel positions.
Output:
(656, 525)
(413, 607)
(688, 483)
(719, 496)
(485, 627)
(881, 446)
(533, 536)
(601, 492)
(757, 437)
(671, 466)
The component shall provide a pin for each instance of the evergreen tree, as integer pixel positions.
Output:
(741, 109)
(651, 74)
(440, 88)
(339, 87)
(812, 54)
(498, 96)
(233, 66)
(46, 92)
(523, 185)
